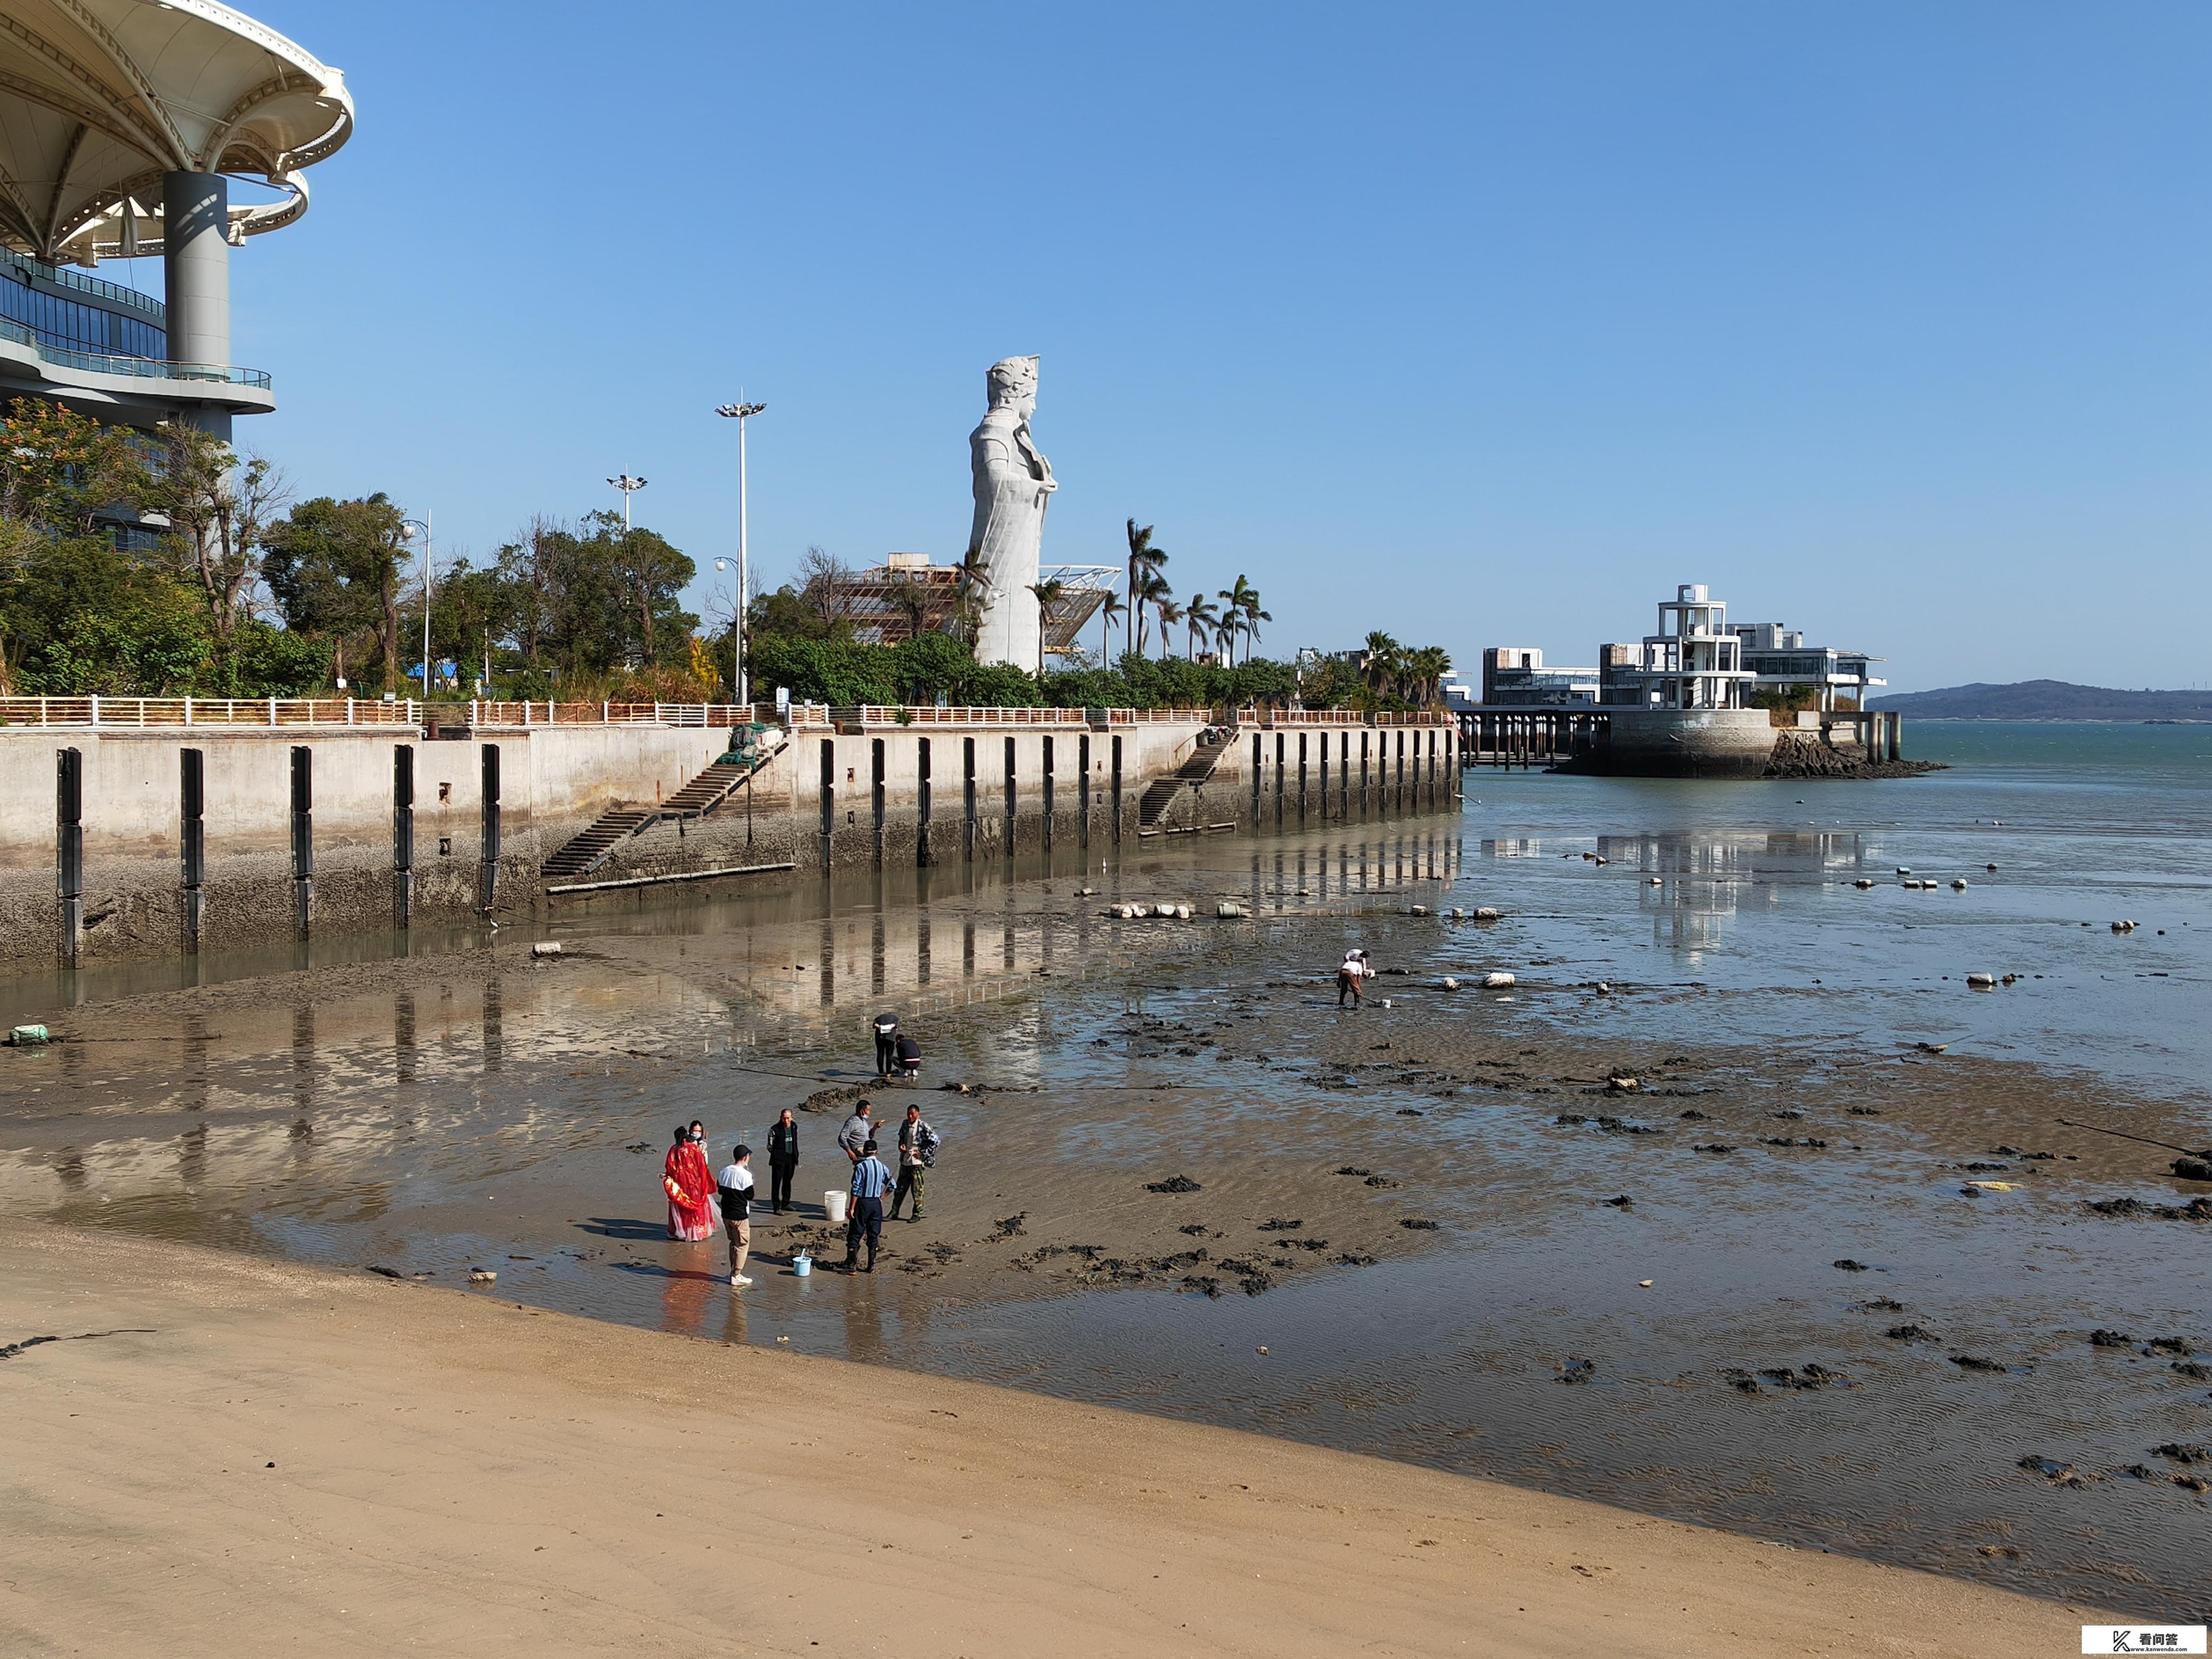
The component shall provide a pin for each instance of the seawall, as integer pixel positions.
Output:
(844, 789)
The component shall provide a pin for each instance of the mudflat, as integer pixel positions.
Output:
(227, 1454)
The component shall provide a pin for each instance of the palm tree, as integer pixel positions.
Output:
(1151, 587)
(1382, 660)
(1253, 616)
(1049, 595)
(1239, 602)
(1107, 612)
(1170, 613)
(1199, 617)
(975, 588)
(1426, 668)
(1144, 560)
(1224, 636)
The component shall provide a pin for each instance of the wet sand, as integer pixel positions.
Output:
(251, 1457)
(471, 1107)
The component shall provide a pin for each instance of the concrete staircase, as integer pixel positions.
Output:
(585, 852)
(1161, 792)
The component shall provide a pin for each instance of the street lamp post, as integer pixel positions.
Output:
(740, 413)
(412, 526)
(630, 487)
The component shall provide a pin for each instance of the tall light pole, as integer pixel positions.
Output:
(422, 525)
(740, 413)
(630, 487)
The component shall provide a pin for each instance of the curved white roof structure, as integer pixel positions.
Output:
(102, 100)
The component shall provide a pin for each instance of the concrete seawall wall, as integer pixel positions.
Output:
(835, 799)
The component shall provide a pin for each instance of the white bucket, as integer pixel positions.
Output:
(802, 1265)
(835, 1203)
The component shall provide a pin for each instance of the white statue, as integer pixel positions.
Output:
(1013, 482)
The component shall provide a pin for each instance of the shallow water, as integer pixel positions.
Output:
(434, 1105)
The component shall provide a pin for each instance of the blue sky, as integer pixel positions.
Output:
(1482, 323)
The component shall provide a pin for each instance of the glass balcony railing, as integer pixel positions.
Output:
(102, 362)
(114, 294)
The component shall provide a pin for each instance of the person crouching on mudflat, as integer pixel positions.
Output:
(871, 1181)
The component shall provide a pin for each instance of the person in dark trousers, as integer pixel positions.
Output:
(782, 1160)
(886, 1043)
(917, 1152)
(906, 1055)
(871, 1181)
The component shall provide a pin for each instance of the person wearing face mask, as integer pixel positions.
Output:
(690, 1185)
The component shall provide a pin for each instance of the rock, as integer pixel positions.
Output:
(1654, 881)
(1498, 982)
(1849, 1266)
(2193, 1168)
(1643, 1284)
(1417, 910)
(1863, 883)
(1576, 1371)
(482, 1276)
(2104, 1339)
(1175, 1184)
(1378, 1180)
(1228, 912)
(386, 1273)
(1451, 984)
(1417, 1224)
(546, 947)
(1715, 1147)
(1620, 1203)
(1603, 988)
(1991, 868)
(2177, 1452)
(1967, 1362)
(1981, 982)
(1959, 885)
(1909, 1333)
(1484, 913)
(1623, 1084)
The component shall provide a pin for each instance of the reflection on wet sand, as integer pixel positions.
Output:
(471, 1107)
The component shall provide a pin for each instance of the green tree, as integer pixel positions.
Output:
(333, 568)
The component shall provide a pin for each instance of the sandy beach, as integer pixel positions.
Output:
(269, 1457)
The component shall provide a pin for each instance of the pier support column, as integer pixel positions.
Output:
(191, 840)
(68, 852)
(403, 837)
(303, 836)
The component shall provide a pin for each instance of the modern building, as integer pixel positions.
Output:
(124, 125)
(1694, 660)
(1515, 676)
(1789, 668)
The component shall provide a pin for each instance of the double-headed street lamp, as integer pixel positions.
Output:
(739, 412)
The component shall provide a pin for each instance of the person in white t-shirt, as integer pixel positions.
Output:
(735, 1184)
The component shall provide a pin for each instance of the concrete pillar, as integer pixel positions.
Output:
(196, 271)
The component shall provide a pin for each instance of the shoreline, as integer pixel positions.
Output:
(453, 1470)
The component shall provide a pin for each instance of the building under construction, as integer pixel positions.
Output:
(907, 595)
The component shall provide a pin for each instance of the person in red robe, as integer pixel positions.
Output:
(691, 1188)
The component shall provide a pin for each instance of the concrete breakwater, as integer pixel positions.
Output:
(148, 839)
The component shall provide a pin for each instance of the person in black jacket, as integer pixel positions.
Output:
(887, 1029)
(782, 1160)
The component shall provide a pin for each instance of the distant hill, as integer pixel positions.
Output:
(2049, 700)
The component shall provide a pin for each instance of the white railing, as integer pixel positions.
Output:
(156, 714)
